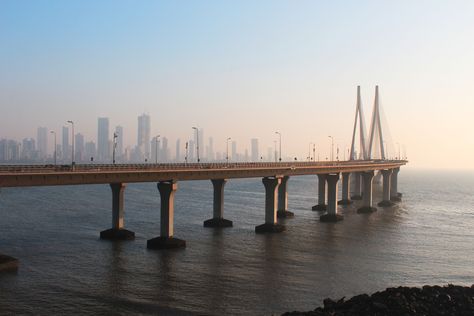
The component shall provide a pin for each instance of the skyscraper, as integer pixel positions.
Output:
(178, 150)
(42, 141)
(143, 139)
(79, 147)
(254, 150)
(103, 151)
(119, 140)
(164, 150)
(234, 151)
(66, 154)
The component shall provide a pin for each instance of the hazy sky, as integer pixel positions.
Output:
(244, 69)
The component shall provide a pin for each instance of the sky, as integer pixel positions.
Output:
(244, 69)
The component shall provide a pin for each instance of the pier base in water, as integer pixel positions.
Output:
(8, 263)
(331, 218)
(165, 243)
(218, 222)
(319, 207)
(285, 214)
(269, 228)
(366, 210)
(117, 234)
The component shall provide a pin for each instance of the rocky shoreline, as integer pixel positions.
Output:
(428, 300)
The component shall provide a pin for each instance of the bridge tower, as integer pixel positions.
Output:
(359, 120)
(376, 133)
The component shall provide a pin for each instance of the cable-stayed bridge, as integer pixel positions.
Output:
(367, 157)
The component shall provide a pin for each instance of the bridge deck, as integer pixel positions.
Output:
(49, 175)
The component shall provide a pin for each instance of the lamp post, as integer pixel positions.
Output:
(55, 146)
(314, 152)
(186, 157)
(279, 134)
(72, 125)
(332, 147)
(114, 147)
(227, 150)
(197, 141)
(309, 152)
(156, 148)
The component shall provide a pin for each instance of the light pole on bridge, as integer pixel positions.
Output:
(197, 143)
(72, 125)
(279, 134)
(227, 150)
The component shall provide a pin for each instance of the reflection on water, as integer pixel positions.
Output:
(65, 268)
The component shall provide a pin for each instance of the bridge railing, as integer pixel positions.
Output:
(182, 166)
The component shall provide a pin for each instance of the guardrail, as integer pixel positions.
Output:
(183, 166)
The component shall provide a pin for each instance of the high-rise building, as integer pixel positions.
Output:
(143, 139)
(79, 147)
(103, 150)
(164, 150)
(90, 151)
(234, 151)
(28, 149)
(254, 149)
(210, 150)
(178, 150)
(42, 141)
(191, 151)
(119, 141)
(155, 150)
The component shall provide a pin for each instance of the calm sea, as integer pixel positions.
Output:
(66, 269)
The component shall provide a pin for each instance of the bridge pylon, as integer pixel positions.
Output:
(376, 128)
(359, 121)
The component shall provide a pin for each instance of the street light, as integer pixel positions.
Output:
(314, 152)
(309, 151)
(156, 148)
(186, 157)
(332, 148)
(55, 146)
(227, 150)
(197, 145)
(279, 134)
(72, 124)
(114, 147)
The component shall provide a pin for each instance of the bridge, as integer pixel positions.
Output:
(274, 176)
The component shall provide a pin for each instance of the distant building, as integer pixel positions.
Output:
(156, 150)
(42, 141)
(164, 150)
(28, 150)
(119, 140)
(90, 151)
(103, 150)
(143, 136)
(79, 154)
(234, 151)
(254, 150)
(178, 150)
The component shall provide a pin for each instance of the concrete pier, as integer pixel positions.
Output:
(218, 209)
(395, 196)
(386, 174)
(346, 200)
(117, 232)
(321, 193)
(271, 199)
(283, 199)
(367, 178)
(331, 215)
(166, 240)
(8, 264)
(357, 193)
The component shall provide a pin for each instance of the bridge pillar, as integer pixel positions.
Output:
(271, 198)
(395, 196)
(357, 193)
(331, 215)
(166, 240)
(346, 177)
(218, 214)
(321, 193)
(117, 232)
(283, 199)
(368, 178)
(387, 175)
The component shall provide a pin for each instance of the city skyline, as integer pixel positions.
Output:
(288, 68)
